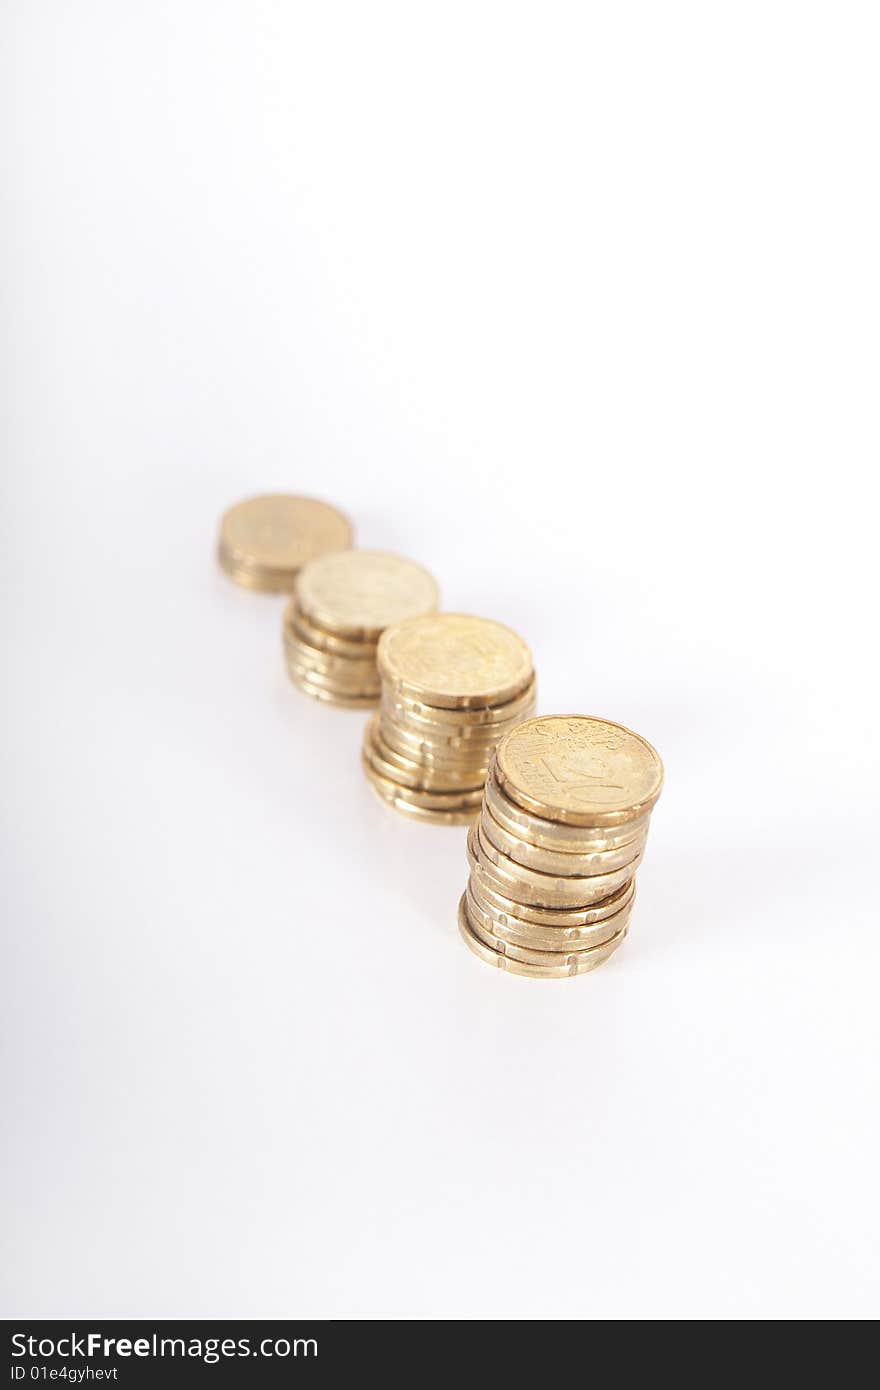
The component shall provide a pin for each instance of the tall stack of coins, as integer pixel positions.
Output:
(265, 541)
(341, 606)
(562, 830)
(452, 686)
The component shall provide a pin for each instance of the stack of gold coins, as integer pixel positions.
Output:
(452, 686)
(341, 606)
(553, 857)
(265, 541)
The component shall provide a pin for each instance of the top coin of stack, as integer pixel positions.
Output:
(265, 541)
(561, 833)
(341, 606)
(452, 685)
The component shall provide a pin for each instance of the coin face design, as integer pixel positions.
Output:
(282, 532)
(454, 658)
(573, 765)
(361, 592)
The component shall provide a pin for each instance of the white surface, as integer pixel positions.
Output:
(577, 306)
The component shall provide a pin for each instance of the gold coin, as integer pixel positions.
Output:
(410, 774)
(579, 963)
(418, 813)
(356, 684)
(436, 815)
(466, 737)
(486, 721)
(579, 770)
(526, 934)
(552, 918)
(427, 800)
(553, 835)
(531, 953)
(440, 744)
(358, 593)
(329, 664)
(353, 675)
(265, 541)
(543, 890)
(439, 755)
(331, 696)
(297, 627)
(548, 861)
(454, 661)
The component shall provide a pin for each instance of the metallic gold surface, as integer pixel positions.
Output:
(331, 697)
(547, 834)
(265, 541)
(554, 918)
(430, 812)
(523, 933)
(542, 890)
(298, 628)
(330, 664)
(330, 627)
(533, 954)
(418, 813)
(553, 855)
(354, 684)
(417, 776)
(578, 963)
(579, 770)
(451, 686)
(549, 861)
(426, 800)
(486, 721)
(449, 754)
(358, 593)
(454, 661)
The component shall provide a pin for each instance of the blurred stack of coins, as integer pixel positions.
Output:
(452, 686)
(341, 606)
(553, 857)
(265, 541)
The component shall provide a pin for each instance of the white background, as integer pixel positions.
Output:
(577, 305)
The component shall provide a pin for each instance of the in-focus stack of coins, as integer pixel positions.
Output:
(452, 686)
(265, 541)
(553, 856)
(342, 604)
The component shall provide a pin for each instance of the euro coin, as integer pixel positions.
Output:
(425, 800)
(579, 770)
(298, 628)
(548, 861)
(435, 755)
(431, 812)
(359, 593)
(553, 918)
(411, 774)
(330, 665)
(543, 890)
(265, 541)
(482, 721)
(526, 934)
(454, 661)
(354, 685)
(532, 954)
(546, 834)
(331, 696)
(576, 964)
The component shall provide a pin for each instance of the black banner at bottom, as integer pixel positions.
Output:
(93, 1352)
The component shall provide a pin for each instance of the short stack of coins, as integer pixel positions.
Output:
(265, 541)
(452, 686)
(562, 830)
(342, 604)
